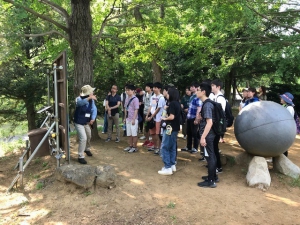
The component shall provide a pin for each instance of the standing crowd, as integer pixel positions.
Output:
(158, 112)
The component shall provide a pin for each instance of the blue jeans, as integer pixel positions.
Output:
(168, 148)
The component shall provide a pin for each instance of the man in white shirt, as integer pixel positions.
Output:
(216, 86)
(157, 104)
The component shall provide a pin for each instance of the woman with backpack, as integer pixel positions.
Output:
(287, 101)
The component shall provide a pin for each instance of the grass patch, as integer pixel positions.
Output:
(39, 186)
(171, 205)
(24, 203)
(295, 182)
(87, 193)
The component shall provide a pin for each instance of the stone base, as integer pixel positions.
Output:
(285, 166)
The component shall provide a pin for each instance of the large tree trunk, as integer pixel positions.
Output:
(30, 113)
(157, 71)
(80, 25)
(228, 85)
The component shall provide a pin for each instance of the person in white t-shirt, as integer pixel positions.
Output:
(157, 103)
(216, 86)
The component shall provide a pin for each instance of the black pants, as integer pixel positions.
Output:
(211, 158)
(216, 150)
(192, 133)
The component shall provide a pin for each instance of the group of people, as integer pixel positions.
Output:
(159, 110)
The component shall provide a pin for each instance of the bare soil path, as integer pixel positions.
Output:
(142, 196)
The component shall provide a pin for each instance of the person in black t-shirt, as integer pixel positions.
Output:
(207, 136)
(113, 102)
(169, 140)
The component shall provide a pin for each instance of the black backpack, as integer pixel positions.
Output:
(228, 113)
(219, 125)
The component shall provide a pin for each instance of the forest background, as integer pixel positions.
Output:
(245, 43)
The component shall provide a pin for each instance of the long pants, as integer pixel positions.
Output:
(192, 133)
(113, 119)
(84, 136)
(184, 128)
(210, 158)
(216, 150)
(168, 148)
(105, 123)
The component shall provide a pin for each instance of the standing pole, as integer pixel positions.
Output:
(21, 169)
(48, 84)
(56, 114)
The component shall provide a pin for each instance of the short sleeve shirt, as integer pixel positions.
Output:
(113, 101)
(134, 105)
(207, 112)
(161, 104)
(174, 108)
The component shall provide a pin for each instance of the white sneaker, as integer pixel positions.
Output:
(142, 138)
(127, 149)
(132, 150)
(150, 138)
(173, 168)
(165, 171)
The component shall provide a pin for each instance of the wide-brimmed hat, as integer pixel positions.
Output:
(288, 98)
(86, 90)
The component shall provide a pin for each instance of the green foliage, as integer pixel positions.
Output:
(39, 186)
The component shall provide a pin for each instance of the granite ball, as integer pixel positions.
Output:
(265, 129)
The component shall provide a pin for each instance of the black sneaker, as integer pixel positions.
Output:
(219, 170)
(108, 139)
(216, 178)
(185, 149)
(88, 153)
(117, 140)
(202, 158)
(82, 161)
(207, 183)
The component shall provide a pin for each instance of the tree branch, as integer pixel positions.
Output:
(57, 8)
(46, 33)
(46, 18)
(98, 37)
(274, 21)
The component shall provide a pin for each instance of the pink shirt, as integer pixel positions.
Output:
(134, 105)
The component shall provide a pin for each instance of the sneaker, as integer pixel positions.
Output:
(203, 159)
(146, 143)
(219, 170)
(193, 151)
(150, 145)
(142, 138)
(82, 161)
(88, 153)
(132, 150)
(165, 171)
(220, 150)
(128, 148)
(207, 183)
(173, 168)
(185, 149)
(117, 140)
(151, 149)
(108, 139)
(216, 178)
(150, 138)
(156, 151)
(184, 137)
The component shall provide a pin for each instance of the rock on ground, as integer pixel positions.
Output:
(258, 173)
(86, 176)
(285, 166)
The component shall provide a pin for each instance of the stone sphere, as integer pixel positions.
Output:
(265, 129)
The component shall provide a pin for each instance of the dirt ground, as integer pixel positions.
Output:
(142, 196)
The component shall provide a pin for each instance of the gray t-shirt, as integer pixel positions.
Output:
(207, 112)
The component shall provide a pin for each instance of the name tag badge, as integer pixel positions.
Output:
(87, 115)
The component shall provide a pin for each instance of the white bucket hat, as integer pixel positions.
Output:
(86, 90)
